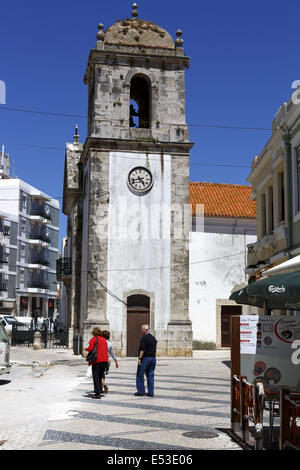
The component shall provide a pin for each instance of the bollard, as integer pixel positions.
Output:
(37, 340)
(77, 344)
(9, 334)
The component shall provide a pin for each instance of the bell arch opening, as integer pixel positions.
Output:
(139, 102)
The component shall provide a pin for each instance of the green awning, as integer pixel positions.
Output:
(281, 291)
(241, 296)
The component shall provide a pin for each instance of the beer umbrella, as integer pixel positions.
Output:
(241, 296)
(281, 291)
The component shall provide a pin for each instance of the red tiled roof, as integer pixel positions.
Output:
(223, 200)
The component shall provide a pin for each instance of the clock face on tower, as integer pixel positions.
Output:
(140, 180)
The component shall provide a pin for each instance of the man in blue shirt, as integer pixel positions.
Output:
(146, 362)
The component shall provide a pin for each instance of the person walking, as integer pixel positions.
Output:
(146, 362)
(111, 353)
(100, 365)
(55, 325)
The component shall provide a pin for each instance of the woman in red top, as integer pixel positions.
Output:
(100, 365)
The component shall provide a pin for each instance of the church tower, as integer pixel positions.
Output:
(134, 174)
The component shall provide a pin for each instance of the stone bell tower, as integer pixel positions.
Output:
(135, 189)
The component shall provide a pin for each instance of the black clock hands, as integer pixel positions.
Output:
(141, 180)
(138, 178)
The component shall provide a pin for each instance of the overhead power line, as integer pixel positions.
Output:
(155, 268)
(46, 113)
(82, 116)
(224, 165)
(115, 297)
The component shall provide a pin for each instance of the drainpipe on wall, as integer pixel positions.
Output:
(289, 189)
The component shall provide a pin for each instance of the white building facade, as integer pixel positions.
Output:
(275, 180)
(29, 230)
(218, 257)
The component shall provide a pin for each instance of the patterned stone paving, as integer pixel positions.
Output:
(190, 410)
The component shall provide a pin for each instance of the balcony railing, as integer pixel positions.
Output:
(41, 261)
(39, 236)
(3, 286)
(38, 284)
(40, 211)
(63, 268)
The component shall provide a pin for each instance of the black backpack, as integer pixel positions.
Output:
(92, 355)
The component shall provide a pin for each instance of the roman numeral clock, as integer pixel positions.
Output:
(140, 180)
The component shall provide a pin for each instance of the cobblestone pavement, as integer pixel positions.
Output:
(45, 407)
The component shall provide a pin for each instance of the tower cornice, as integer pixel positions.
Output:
(141, 146)
(143, 58)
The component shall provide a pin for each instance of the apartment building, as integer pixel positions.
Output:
(29, 231)
(275, 180)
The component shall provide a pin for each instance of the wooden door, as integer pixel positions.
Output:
(135, 319)
(226, 312)
(138, 314)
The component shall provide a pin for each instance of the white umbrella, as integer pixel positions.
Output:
(288, 266)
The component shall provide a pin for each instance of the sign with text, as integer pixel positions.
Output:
(270, 349)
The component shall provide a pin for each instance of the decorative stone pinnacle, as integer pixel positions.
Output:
(100, 34)
(179, 40)
(76, 135)
(134, 11)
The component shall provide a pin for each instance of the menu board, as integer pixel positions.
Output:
(270, 349)
(248, 334)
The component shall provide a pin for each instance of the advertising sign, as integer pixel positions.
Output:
(270, 349)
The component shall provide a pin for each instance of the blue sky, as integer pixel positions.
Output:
(243, 62)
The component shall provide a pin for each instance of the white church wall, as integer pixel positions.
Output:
(217, 263)
(139, 238)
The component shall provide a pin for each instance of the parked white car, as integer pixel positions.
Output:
(5, 366)
(29, 322)
(7, 321)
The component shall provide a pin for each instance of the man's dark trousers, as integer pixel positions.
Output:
(147, 366)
